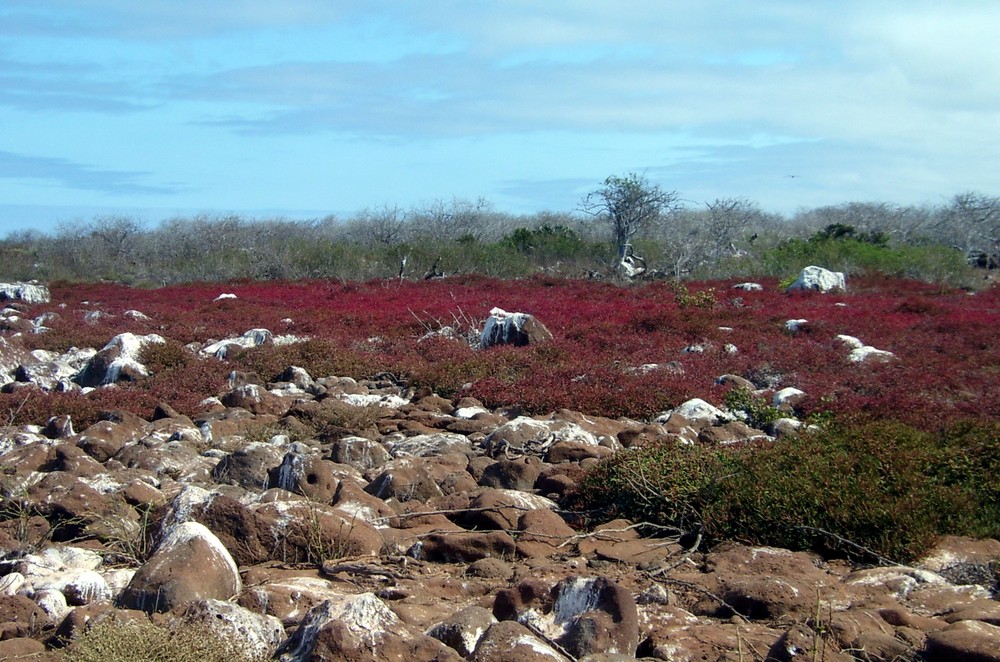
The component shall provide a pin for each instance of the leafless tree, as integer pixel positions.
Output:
(973, 223)
(629, 205)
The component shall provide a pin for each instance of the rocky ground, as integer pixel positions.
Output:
(329, 519)
(433, 532)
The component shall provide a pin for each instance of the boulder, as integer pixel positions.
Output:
(518, 329)
(304, 531)
(519, 474)
(509, 641)
(498, 509)
(255, 399)
(308, 475)
(252, 338)
(463, 630)
(818, 279)
(20, 617)
(358, 452)
(359, 627)
(189, 564)
(965, 640)
(248, 466)
(525, 434)
(28, 292)
(585, 615)
(259, 634)
(696, 412)
(428, 445)
(464, 546)
(118, 360)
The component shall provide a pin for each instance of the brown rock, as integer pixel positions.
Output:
(509, 641)
(288, 598)
(140, 494)
(470, 426)
(360, 627)
(435, 403)
(245, 534)
(29, 458)
(20, 617)
(575, 451)
(490, 568)
(511, 604)
(950, 551)
(405, 481)
(606, 430)
(81, 619)
(69, 504)
(766, 583)
(302, 531)
(465, 546)
(308, 475)
(621, 542)
(801, 644)
(900, 617)
(358, 452)
(105, 439)
(73, 460)
(674, 634)
(729, 433)
(498, 509)
(879, 647)
(255, 399)
(190, 563)
(543, 533)
(600, 616)
(462, 630)
(258, 633)
(970, 641)
(22, 648)
(560, 480)
(735, 381)
(519, 474)
(248, 466)
(642, 435)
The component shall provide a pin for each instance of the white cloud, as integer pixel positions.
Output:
(857, 97)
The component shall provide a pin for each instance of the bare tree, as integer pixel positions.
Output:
(629, 205)
(973, 221)
(729, 220)
(382, 226)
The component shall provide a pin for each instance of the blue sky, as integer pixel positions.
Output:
(303, 108)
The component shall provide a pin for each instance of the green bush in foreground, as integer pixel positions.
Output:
(866, 491)
(112, 641)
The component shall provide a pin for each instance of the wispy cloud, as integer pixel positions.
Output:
(244, 100)
(66, 173)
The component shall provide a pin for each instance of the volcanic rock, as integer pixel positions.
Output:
(190, 563)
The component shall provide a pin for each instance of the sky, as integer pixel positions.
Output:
(306, 108)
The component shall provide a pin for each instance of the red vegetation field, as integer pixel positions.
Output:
(946, 367)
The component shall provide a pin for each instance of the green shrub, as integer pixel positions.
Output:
(753, 410)
(873, 491)
(665, 483)
(930, 263)
(112, 641)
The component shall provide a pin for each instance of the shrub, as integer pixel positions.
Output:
(874, 491)
(146, 642)
(753, 410)
(665, 483)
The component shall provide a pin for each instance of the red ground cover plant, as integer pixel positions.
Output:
(946, 367)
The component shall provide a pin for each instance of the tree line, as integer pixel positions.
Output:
(627, 228)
